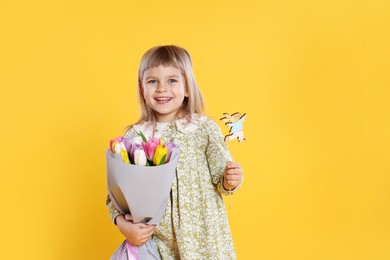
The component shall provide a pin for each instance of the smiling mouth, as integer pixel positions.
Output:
(163, 99)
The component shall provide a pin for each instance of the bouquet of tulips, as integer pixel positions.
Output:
(140, 172)
(141, 151)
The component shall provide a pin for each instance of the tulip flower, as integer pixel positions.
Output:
(119, 148)
(140, 157)
(125, 156)
(150, 147)
(171, 147)
(160, 155)
(134, 148)
(128, 142)
(139, 150)
(116, 140)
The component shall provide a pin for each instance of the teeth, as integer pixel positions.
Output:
(163, 99)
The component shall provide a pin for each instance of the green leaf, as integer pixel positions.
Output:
(163, 159)
(142, 136)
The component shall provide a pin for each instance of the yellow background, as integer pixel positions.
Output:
(312, 76)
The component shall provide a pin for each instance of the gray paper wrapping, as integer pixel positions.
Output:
(146, 252)
(142, 191)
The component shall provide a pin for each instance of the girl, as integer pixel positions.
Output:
(195, 224)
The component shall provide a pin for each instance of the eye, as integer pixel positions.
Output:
(172, 80)
(152, 81)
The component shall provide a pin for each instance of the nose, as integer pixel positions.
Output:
(161, 88)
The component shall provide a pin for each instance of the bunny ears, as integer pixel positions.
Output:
(235, 121)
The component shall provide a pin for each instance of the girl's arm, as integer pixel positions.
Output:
(112, 210)
(227, 176)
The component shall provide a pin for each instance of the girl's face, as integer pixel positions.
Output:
(164, 89)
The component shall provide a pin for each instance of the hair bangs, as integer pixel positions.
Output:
(167, 56)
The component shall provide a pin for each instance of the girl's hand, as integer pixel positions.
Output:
(232, 176)
(136, 233)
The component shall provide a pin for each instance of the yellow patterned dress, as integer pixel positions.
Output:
(195, 224)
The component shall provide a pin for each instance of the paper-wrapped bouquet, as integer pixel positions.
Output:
(140, 172)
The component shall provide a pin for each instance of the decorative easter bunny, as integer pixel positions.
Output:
(235, 122)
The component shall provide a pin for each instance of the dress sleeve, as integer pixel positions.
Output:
(111, 209)
(217, 155)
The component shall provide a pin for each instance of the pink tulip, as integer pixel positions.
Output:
(116, 140)
(150, 147)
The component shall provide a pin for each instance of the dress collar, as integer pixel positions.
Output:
(185, 125)
(188, 124)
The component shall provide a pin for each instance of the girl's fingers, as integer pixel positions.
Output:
(128, 217)
(145, 226)
(233, 165)
(233, 173)
(233, 178)
(233, 168)
(148, 232)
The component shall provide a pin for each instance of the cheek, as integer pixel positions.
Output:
(182, 90)
(145, 93)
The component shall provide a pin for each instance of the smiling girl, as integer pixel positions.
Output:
(195, 224)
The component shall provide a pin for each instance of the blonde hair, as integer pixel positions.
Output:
(170, 56)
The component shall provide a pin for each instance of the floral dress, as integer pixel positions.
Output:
(195, 224)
